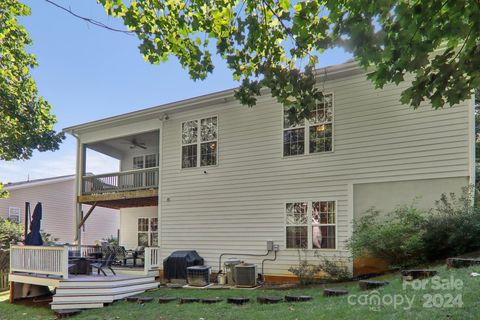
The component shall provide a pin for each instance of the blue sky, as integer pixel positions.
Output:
(88, 73)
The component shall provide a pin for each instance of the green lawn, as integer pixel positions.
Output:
(444, 305)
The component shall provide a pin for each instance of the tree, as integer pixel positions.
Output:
(10, 232)
(269, 43)
(26, 123)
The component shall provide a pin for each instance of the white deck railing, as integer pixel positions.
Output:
(152, 258)
(120, 181)
(45, 260)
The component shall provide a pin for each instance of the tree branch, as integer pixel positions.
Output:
(89, 20)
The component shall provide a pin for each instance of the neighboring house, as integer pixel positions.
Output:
(212, 175)
(57, 196)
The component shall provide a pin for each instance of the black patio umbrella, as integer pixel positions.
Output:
(34, 238)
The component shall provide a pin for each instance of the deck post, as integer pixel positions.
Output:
(147, 261)
(65, 262)
(81, 166)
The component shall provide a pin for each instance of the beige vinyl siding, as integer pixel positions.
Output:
(58, 204)
(129, 224)
(238, 205)
(421, 193)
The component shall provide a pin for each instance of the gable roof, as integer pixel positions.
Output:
(37, 182)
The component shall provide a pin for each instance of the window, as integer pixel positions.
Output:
(14, 214)
(147, 232)
(144, 162)
(312, 135)
(154, 232)
(138, 162)
(311, 225)
(199, 143)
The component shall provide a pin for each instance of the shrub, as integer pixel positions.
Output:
(453, 228)
(10, 232)
(48, 238)
(396, 238)
(110, 240)
(307, 272)
(334, 268)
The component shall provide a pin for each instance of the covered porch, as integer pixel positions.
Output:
(136, 182)
(134, 186)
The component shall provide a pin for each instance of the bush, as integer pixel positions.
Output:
(454, 228)
(307, 272)
(408, 236)
(110, 240)
(48, 238)
(396, 238)
(10, 232)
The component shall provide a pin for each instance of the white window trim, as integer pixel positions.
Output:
(306, 127)
(144, 162)
(309, 225)
(17, 214)
(149, 232)
(199, 142)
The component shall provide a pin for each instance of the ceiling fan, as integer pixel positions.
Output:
(134, 143)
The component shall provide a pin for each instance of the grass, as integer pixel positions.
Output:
(319, 308)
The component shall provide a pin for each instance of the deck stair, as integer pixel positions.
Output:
(89, 292)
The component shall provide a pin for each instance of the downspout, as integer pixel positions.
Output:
(159, 182)
(472, 146)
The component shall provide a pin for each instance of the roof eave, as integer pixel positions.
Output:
(210, 98)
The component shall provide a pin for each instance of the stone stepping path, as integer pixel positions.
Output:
(189, 300)
(462, 262)
(211, 300)
(334, 292)
(142, 300)
(166, 299)
(174, 286)
(371, 284)
(67, 313)
(132, 299)
(413, 274)
(297, 298)
(269, 300)
(238, 300)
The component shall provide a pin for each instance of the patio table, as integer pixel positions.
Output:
(81, 265)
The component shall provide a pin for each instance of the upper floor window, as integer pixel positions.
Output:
(199, 142)
(311, 225)
(145, 179)
(145, 161)
(14, 214)
(311, 135)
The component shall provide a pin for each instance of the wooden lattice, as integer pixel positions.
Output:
(4, 269)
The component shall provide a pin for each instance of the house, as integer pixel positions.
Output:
(211, 175)
(57, 195)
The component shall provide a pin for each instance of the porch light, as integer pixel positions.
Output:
(321, 128)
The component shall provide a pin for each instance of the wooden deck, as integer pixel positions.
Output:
(89, 291)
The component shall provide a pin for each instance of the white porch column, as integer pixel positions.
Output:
(80, 172)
